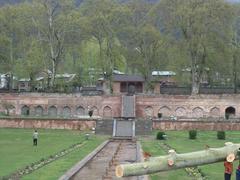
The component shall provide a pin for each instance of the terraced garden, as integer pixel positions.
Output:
(59, 150)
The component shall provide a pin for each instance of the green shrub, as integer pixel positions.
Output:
(161, 135)
(221, 135)
(192, 134)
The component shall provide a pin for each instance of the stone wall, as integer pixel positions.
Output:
(72, 105)
(87, 124)
(196, 125)
(146, 106)
(48, 124)
(201, 106)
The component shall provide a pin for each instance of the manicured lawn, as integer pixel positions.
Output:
(17, 151)
(179, 141)
(149, 144)
(56, 169)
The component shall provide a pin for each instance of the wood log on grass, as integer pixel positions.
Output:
(175, 161)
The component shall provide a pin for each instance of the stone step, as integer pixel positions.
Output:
(128, 106)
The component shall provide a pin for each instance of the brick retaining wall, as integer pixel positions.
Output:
(198, 125)
(48, 124)
(86, 124)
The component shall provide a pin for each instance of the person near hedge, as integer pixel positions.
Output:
(35, 138)
(228, 164)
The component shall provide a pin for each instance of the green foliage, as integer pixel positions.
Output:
(135, 37)
(196, 24)
(221, 135)
(161, 135)
(3, 114)
(192, 134)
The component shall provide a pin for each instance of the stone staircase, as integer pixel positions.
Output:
(128, 107)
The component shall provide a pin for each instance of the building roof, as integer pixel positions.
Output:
(163, 73)
(24, 80)
(127, 78)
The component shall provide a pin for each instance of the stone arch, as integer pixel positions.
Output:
(180, 112)
(25, 110)
(52, 111)
(38, 111)
(230, 112)
(66, 111)
(197, 112)
(95, 111)
(107, 111)
(80, 111)
(165, 111)
(12, 110)
(214, 112)
(149, 111)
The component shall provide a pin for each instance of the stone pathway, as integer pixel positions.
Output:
(102, 166)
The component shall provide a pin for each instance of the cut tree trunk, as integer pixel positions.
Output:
(175, 161)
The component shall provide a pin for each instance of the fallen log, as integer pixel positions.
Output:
(175, 161)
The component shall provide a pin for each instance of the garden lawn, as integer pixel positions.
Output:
(57, 168)
(179, 140)
(149, 144)
(17, 151)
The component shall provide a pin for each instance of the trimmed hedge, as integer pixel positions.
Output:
(161, 135)
(192, 134)
(221, 135)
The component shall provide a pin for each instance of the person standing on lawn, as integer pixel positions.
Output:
(35, 138)
(228, 164)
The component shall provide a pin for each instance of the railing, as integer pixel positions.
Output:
(186, 90)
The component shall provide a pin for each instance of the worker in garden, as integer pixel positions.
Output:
(90, 111)
(228, 164)
(35, 138)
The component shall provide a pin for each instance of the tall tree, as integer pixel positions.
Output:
(200, 25)
(141, 40)
(101, 16)
(52, 24)
(235, 46)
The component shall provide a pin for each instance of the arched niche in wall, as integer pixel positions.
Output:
(180, 112)
(38, 111)
(107, 111)
(66, 111)
(95, 111)
(197, 112)
(165, 111)
(214, 112)
(149, 111)
(230, 112)
(25, 110)
(52, 111)
(80, 111)
(11, 110)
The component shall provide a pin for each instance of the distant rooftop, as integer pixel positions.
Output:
(163, 73)
(127, 78)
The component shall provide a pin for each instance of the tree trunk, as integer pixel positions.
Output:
(52, 80)
(174, 161)
(195, 74)
(235, 73)
(195, 83)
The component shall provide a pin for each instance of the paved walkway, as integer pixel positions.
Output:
(102, 166)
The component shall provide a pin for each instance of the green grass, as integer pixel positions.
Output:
(179, 140)
(56, 169)
(17, 151)
(153, 147)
